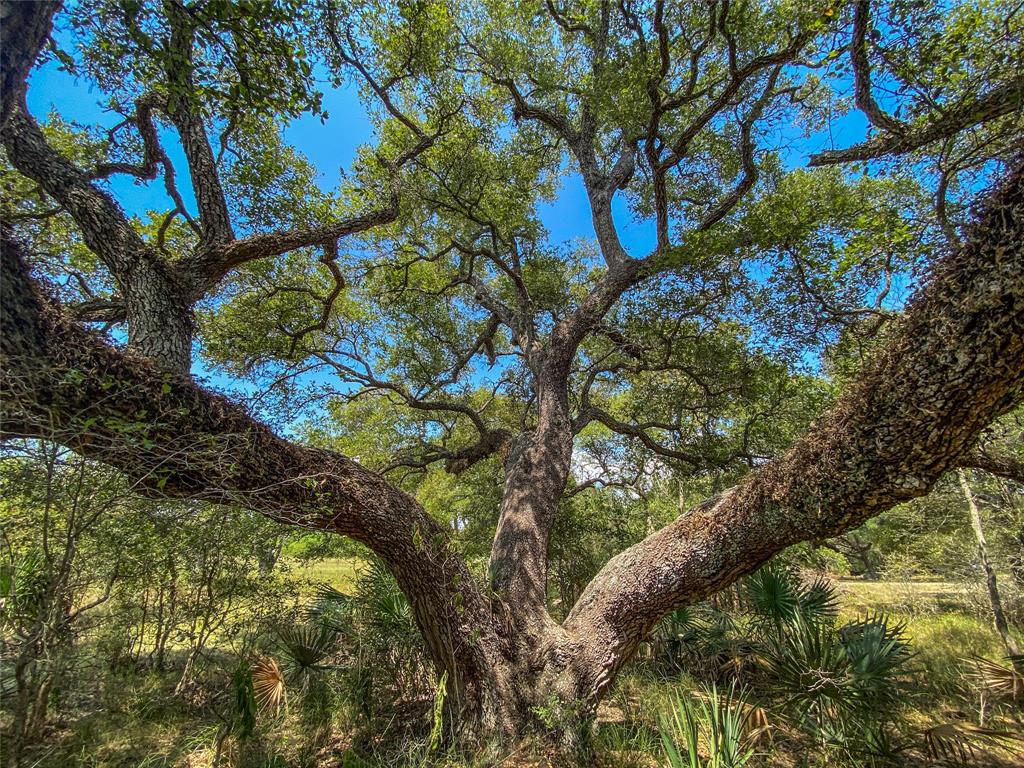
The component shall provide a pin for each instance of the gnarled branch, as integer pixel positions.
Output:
(956, 364)
(1001, 100)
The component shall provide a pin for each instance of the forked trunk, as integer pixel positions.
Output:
(955, 365)
(545, 687)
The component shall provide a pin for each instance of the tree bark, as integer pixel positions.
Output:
(955, 364)
(853, 547)
(24, 30)
(1001, 465)
(158, 305)
(991, 584)
(538, 468)
(214, 218)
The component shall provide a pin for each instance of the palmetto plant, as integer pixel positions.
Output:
(726, 723)
(996, 680)
(809, 668)
(268, 685)
(774, 595)
(819, 600)
(778, 597)
(24, 609)
(879, 657)
(841, 684)
(385, 651)
(244, 719)
(303, 653)
(23, 586)
(332, 608)
(382, 611)
(965, 743)
(673, 635)
(307, 646)
(702, 640)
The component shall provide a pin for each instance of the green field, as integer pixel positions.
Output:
(338, 572)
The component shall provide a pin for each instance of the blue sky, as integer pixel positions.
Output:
(331, 147)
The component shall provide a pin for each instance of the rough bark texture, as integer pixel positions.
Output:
(24, 30)
(538, 469)
(157, 306)
(956, 364)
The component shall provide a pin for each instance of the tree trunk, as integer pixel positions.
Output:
(955, 364)
(214, 217)
(537, 472)
(157, 304)
(159, 318)
(852, 546)
(24, 29)
(999, 618)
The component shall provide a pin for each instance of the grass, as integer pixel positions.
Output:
(910, 597)
(132, 720)
(338, 572)
(943, 627)
(942, 618)
(140, 725)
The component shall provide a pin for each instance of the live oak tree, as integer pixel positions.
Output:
(424, 297)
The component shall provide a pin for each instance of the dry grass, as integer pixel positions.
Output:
(130, 727)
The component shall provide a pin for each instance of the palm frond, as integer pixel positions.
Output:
(307, 646)
(331, 608)
(774, 594)
(964, 742)
(1000, 681)
(819, 600)
(268, 685)
(879, 656)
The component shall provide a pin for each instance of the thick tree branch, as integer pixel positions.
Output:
(1001, 100)
(955, 365)
(1000, 465)
(100, 311)
(210, 266)
(863, 96)
(157, 303)
(183, 111)
(171, 437)
(105, 228)
(538, 467)
(24, 30)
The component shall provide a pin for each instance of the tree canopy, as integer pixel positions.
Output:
(755, 337)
